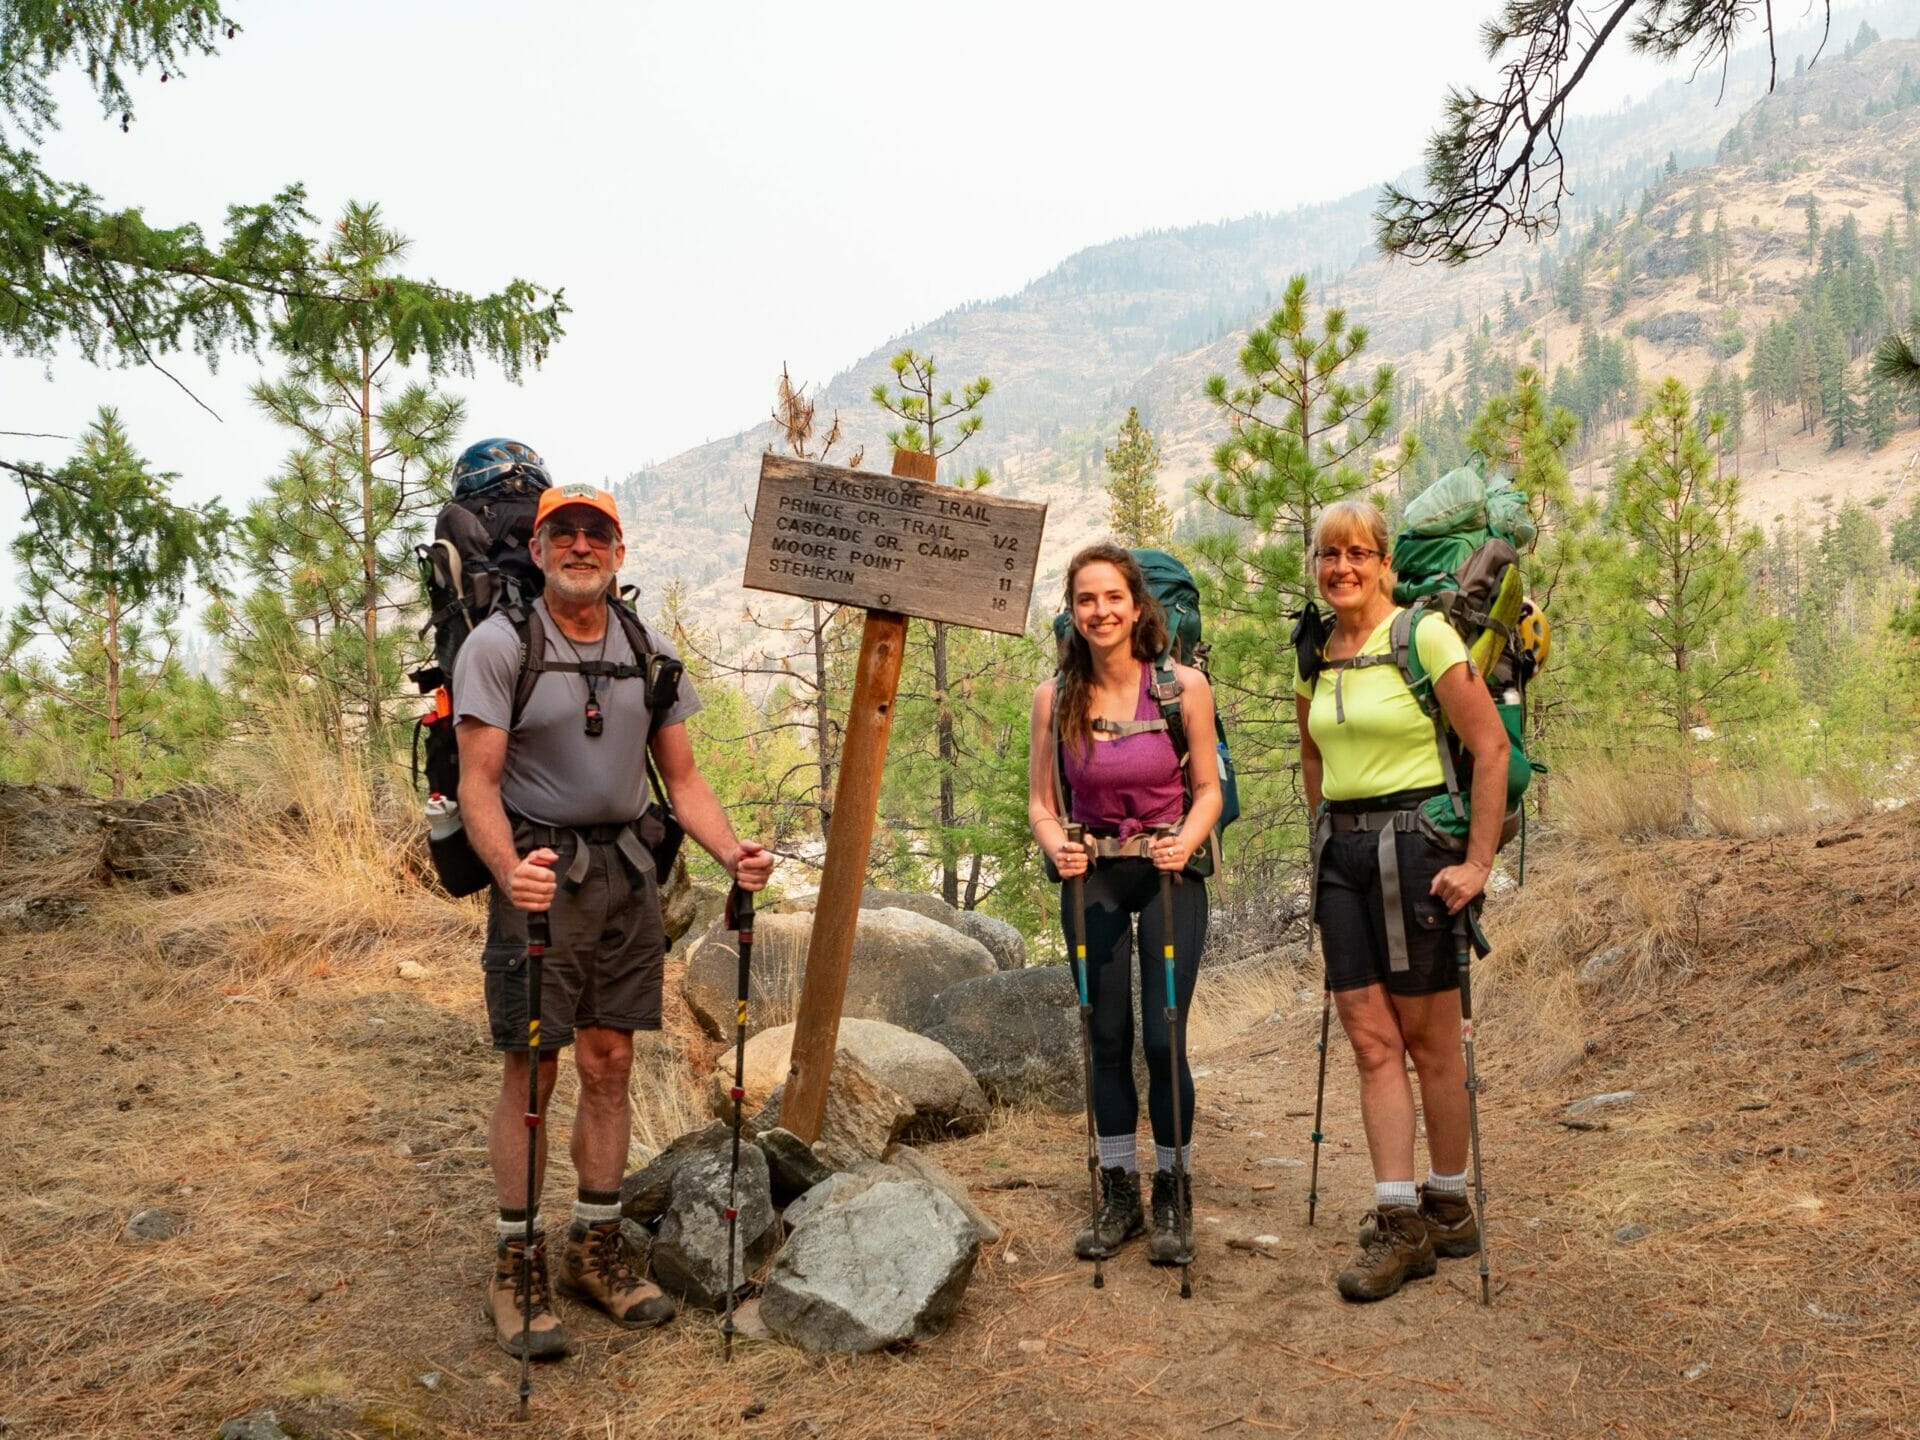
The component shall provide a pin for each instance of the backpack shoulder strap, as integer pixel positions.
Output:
(533, 657)
(1406, 655)
(1165, 688)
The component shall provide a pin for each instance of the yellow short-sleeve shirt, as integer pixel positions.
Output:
(1385, 745)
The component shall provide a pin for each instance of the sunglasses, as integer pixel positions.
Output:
(600, 536)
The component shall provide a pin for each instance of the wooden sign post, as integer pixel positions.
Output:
(896, 546)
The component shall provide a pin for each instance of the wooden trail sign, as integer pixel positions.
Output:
(891, 543)
(897, 546)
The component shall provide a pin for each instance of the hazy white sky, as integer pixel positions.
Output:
(721, 188)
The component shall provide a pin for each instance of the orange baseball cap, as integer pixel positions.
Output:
(557, 497)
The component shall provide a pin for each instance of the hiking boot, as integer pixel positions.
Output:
(1120, 1217)
(1395, 1248)
(1164, 1246)
(506, 1292)
(1450, 1222)
(594, 1268)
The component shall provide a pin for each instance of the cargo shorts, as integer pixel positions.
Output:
(605, 961)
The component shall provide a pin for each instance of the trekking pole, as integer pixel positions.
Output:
(539, 935)
(1462, 924)
(1326, 1016)
(1077, 919)
(1182, 1182)
(1319, 1099)
(740, 921)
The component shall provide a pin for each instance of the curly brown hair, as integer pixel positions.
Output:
(1071, 700)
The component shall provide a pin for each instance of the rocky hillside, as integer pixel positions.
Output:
(1143, 321)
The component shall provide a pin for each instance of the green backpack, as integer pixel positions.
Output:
(1456, 555)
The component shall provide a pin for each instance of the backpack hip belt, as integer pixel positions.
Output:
(1134, 847)
(581, 839)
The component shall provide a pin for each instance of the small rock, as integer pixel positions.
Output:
(1696, 1370)
(750, 1324)
(430, 1380)
(1033, 1347)
(254, 1425)
(1280, 1162)
(1598, 966)
(792, 1167)
(1266, 1239)
(410, 970)
(153, 1225)
(1595, 1102)
(1627, 1234)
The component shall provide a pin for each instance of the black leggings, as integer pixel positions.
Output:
(1116, 891)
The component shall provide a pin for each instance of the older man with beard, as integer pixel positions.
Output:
(561, 786)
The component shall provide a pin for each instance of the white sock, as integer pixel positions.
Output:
(1447, 1184)
(1394, 1192)
(506, 1229)
(1163, 1156)
(595, 1214)
(1121, 1150)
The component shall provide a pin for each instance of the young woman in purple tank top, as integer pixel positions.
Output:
(1122, 787)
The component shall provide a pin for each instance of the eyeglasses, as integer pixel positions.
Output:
(600, 536)
(1355, 555)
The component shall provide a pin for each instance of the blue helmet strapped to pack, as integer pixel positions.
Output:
(487, 463)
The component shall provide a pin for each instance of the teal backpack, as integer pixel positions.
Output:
(1172, 585)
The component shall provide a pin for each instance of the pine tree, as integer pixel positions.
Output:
(922, 408)
(105, 566)
(1679, 591)
(1881, 410)
(331, 547)
(1135, 511)
(1300, 433)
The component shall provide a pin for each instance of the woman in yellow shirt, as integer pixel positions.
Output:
(1367, 750)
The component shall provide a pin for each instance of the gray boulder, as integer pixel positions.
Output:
(900, 959)
(863, 1116)
(884, 1267)
(41, 822)
(1006, 944)
(1018, 1032)
(645, 1193)
(919, 1166)
(931, 906)
(839, 1183)
(690, 1242)
(163, 840)
(946, 1099)
(686, 908)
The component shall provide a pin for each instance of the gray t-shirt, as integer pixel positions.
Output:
(556, 773)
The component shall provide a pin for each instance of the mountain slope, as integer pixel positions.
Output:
(1142, 321)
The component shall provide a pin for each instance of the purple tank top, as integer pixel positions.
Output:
(1128, 784)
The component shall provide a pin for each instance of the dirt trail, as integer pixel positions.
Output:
(319, 1139)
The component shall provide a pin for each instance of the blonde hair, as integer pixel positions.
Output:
(1348, 520)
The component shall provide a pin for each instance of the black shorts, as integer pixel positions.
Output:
(1353, 933)
(603, 966)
